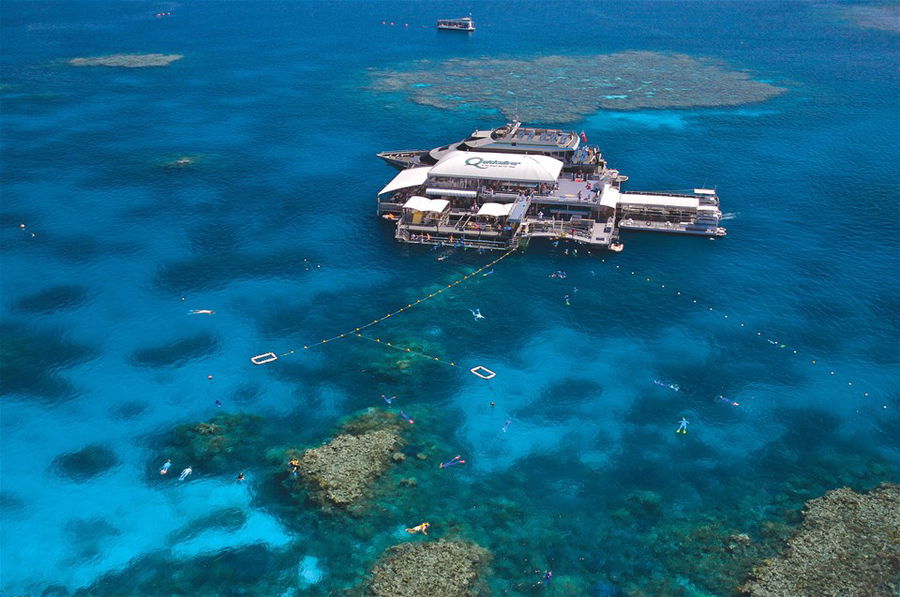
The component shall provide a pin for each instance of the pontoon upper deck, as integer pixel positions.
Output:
(512, 138)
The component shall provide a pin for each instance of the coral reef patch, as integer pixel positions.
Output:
(341, 470)
(128, 60)
(85, 464)
(30, 362)
(620, 81)
(848, 544)
(224, 443)
(446, 568)
(54, 298)
(176, 353)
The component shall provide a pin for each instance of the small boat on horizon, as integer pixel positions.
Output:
(463, 24)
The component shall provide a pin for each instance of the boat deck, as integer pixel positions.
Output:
(672, 227)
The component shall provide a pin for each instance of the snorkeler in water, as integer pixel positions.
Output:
(488, 273)
(201, 312)
(294, 465)
(682, 426)
(506, 425)
(452, 462)
(388, 400)
(477, 313)
(240, 478)
(664, 384)
(568, 302)
(727, 400)
(420, 528)
(185, 474)
(406, 417)
(165, 467)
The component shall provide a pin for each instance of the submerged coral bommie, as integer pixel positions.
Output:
(446, 568)
(219, 445)
(620, 81)
(342, 469)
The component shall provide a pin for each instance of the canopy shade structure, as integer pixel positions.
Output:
(658, 200)
(498, 166)
(450, 192)
(417, 203)
(610, 196)
(498, 210)
(412, 177)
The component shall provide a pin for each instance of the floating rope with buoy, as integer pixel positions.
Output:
(269, 357)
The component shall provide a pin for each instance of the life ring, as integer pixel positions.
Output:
(262, 359)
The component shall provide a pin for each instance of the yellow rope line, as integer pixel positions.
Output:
(407, 349)
(355, 331)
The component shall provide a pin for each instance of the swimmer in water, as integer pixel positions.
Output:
(388, 400)
(240, 477)
(295, 467)
(185, 474)
(548, 577)
(568, 303)
(406, 417)
(165, 467)
(682, 426)
(728, 401)
(506, 425)
(201, 312)
(672, 386)
(477, 314)
(488, 273)
(452, 462)
(421, 528)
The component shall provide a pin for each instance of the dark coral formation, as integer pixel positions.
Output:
(85, 464)
(30, 362)
(342, 470)
(446, 568)
(848, 545)
(225, 443)
(177, 353)
(54, 298)
(620, 81)
(128, 60)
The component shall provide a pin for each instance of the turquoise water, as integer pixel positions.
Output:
(270, 102)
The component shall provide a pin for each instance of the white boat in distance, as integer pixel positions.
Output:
(463, 24)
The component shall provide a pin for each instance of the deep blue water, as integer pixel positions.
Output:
(271, 102)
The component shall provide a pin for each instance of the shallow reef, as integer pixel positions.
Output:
(848, 544)
(128, 60)
(885, 17)
(446, 568)
(341, 471)
(530, 88)
(224, 444)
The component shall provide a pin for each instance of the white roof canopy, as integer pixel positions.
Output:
(658, 200)
(610, 196)
(498, 166)
(417, 203)
(495, 209)
(412, 177)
